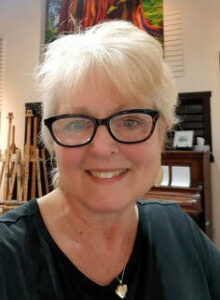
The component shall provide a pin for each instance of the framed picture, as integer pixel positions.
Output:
(183, 139)
(65, 16)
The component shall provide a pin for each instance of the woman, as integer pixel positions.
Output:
(108, 100)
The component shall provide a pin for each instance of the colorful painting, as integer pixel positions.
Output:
(64, 16)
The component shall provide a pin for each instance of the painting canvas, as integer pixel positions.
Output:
(65, 16)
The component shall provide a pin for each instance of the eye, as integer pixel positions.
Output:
(75, 125)
(131, 123)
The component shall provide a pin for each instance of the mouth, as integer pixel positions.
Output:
(107, 174)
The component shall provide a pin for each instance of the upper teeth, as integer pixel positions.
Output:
(107, 174)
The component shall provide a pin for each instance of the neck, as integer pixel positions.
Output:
(105, 225)
(113, 231)
(103, 241)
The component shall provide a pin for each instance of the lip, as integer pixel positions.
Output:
(106, 175)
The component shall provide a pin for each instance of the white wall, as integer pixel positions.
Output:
(21, 24)
(201, 34)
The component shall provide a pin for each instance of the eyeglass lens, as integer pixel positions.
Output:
(131, 127)
(73, 130)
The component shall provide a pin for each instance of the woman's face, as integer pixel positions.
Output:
(105, 175)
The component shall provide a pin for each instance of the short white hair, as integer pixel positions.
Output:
(126, 55)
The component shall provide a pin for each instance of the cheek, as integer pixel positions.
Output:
(146, 153)
(68, 158)
(146, 160)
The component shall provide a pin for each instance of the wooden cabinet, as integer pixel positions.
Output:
(196, 199)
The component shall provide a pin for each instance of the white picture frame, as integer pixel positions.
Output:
(183, 139)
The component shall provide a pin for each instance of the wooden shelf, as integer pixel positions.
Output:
(196, 200)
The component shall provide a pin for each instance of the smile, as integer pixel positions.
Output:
(107, 175)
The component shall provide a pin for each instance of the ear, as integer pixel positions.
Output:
(159, 177)
(162, 130)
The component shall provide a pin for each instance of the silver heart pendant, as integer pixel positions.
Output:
(121, 291)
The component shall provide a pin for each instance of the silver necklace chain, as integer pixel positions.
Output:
(122, 276)
(121, 289)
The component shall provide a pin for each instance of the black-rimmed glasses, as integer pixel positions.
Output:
(128, 127)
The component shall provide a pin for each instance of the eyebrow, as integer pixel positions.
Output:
(84, 110)
(79, 110)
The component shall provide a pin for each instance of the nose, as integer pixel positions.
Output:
(103, 144)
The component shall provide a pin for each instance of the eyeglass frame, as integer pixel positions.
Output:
(106, 122)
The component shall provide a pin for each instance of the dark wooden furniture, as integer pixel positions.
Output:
(194, 113)
(195, 199)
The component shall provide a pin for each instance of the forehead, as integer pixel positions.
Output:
(95, 93)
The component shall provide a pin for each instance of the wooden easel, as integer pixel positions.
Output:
(29, 115)
(7, 158)
(17, 168)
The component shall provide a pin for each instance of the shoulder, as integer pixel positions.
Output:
(174, 234)
(13, 216)
(156, 205)
(171, 228)
(16, 222)
(167, 218)
(18, 235)
(163, 209)
(166, 221)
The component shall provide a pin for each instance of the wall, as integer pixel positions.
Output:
(201, 36)
(21, 24)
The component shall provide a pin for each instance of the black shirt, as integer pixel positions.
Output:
(171, 260)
